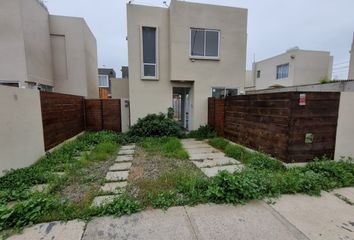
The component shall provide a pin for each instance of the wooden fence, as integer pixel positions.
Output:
(103, 114)
(291, 126)
(64, 116)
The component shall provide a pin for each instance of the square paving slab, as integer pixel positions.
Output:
(121, 166)
(216, 162)
(114, 187)
(172, 224)
(202, 150)
(126, 152)
(206, 156)
(254, 221)
(128, 147)
(103, 200)
(117, 176)
(71, 230)
(325, 217)
(126, 158)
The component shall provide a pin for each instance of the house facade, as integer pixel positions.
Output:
(351, 63)
(105, 76)
(181, 55)
(292, 68)
(46, 52)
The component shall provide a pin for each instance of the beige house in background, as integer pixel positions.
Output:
(38, 50)
(292, 68)
(120, 88)
(351, 63)
(181, 55)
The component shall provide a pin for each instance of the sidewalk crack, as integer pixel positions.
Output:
(191, 224)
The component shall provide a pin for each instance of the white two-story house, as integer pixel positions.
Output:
(181, 55)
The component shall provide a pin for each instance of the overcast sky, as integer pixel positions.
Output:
(273, 27)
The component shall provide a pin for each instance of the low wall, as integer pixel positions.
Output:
(21, 132)
(278, 124)
(125, 114)
(63, 117)
(345, 131)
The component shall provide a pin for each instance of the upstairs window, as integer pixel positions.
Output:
(149, 46)
(103, 81)
(283, 71)
(204, 43)
(258, 73)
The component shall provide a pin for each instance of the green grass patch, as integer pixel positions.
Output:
(170, 147)
(67, 196)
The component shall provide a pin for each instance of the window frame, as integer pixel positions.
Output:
(258, 75)
(225, 90)
(143, 77)
(204, 55)
(282, 75)
(99, 83)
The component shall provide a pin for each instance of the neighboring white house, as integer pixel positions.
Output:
(181, 55)
(351, 63)
(292, 68)
(39, 50)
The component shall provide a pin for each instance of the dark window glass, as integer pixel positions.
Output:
(212, 44)
(150, 70)
(258, 74)
(283, 71)
(197, 42)
(149, 45)
(231, 92)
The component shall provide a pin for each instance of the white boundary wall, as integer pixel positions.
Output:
(345, 129)
(21, 131)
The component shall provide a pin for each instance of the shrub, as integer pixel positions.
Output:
(337, 173)
(236, 188)
(255, 160)
(155, 125)
(120, 206)
(218, 143)
(30, 211)
(203, 132)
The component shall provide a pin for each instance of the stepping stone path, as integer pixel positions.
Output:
(210, 160)
(116, 178)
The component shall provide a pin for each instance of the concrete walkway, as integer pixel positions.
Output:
(116, 178)
(293, 217)
(210, 160)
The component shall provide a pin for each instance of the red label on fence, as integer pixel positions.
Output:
(302, 100)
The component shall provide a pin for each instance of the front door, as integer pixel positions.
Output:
(181, 106)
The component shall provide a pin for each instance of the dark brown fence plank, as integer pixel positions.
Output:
(62, 116)
(276, 124)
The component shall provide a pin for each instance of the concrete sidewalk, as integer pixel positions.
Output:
(292, 217)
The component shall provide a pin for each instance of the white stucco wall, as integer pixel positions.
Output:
(81, 57)
(176, 68)
(24, 42)
(35, 24)
(351, 63)
(148, 96)
(345, 129)
(125, 117)
(21, 131)
(120, 88)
